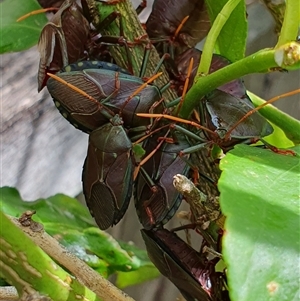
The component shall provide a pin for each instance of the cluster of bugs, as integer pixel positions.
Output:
(119, 110)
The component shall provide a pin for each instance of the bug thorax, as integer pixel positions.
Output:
(221, 132)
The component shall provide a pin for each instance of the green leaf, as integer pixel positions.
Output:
(287, 123)
(59, 208)
(278, 138)
(100, 250)
(260, 198)
(77, 243)
(70, 223)
(147, 271)
(232, 39)
(18, 36)
(104, 246)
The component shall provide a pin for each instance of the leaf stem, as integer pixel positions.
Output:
(20, 267)
(291, 22)
(132, 32)
(212, 36)
(262, 61)
(55, 282)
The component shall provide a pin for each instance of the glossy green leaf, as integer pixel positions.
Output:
(18, 36)
(145, 273)
(260, 197)
(288, 124)
(103, 245)
(101, 251)
(59, 208)
(77, 243)
(278, 138)
(231, 42)
(70, 223)
(131, 249)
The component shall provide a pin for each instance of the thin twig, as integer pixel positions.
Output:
(87, 276)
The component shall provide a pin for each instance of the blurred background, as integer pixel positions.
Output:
(42, 154)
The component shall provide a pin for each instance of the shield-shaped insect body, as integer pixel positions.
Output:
(108, 174)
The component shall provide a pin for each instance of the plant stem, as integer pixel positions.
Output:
(55, 282)
(132, 30)
(20, 267)
(291, 22)
(262, 61)
(212, 36)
